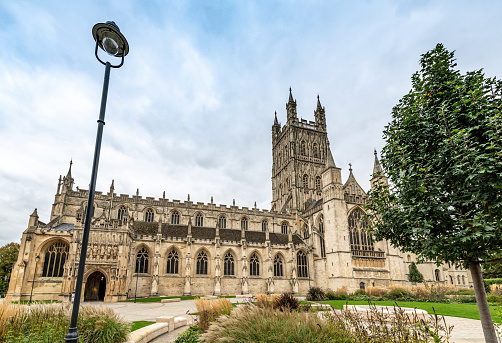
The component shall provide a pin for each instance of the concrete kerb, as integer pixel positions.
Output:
(163, 325)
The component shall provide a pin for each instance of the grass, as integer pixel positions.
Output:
(453, 310)
(158, 299)
(140, 324)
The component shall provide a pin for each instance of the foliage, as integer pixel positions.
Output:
(255, 324)
(376, 291)
(415, 275)
(285, 302)
(492, 268)
(8, 256)
(140, 324)
(461, 291)
(330, 295)
(209, 310)
(359, 292)
(315, 294)
(191, 335)
(398, 293)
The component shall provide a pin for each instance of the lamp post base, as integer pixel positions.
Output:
(72, 335)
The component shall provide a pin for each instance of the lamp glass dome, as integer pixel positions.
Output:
(110, 39)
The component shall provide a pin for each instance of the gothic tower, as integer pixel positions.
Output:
(299, 152)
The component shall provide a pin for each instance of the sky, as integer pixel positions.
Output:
(191, 110)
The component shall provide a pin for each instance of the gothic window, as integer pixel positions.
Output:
(142, 261)
(149, 215)
(463, 280)
(222, 222)
(55, 258)
(301, 264)
(322, 243)
(451, 279)
(458, 279)
(362, 286)
(284, 228)
(199, 220)
(359, 237)
(254, 265)
(303, 148)
(318, 183)
(315, 150)
(175, 218)
(228, 264)
(436, 274)
(244, 223)
(278, 266)
(172, 262)
(264, 225)
(409, 258)
(122, 212)
(202, 263)
(305, 181)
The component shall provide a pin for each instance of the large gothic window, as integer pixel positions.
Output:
(172, 262)
(222, 222)
(175, 218)
(244, 223)
(254, 265)
(303, 148)
(228, 264)
(318, 183)
(149, 215)
(264, 225)
(55, 258)
(301, 264)
(284, 228)
(322, 243)
(199, 220)
(278, 266)
(122, 212)
(359, 237)
(305, 181)
(315, 149)
(142, 261)
(202, 263)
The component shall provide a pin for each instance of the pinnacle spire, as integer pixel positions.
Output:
(330, 162)
(68, 175)
(319, 107)
(112, 187)
(276, 122)
(291, 100)
(377, 168)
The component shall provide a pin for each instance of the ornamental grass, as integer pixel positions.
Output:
(209, 310)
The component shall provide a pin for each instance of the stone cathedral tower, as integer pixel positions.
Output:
(299, 149)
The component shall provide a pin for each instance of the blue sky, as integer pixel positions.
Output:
(191, 109)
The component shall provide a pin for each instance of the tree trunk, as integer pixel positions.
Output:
(482, 301)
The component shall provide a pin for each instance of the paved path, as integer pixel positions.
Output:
(464, 331)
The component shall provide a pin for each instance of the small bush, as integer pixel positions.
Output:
(397, 294)
(360, 297)
(376, 291)
(359, 292)
(191, 335)
(286, 302)
(492, 298)
(315, 294)
(466, 299)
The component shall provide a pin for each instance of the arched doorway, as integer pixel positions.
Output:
(95, 287)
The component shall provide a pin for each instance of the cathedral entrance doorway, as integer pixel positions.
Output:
(95, 287)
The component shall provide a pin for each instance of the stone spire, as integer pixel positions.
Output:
(377, 168)
(291, 108)
(68, 175)
(33, 219)
(378, 176)
(330, 162)
(320, 115)
(276, 122)
(112, 187)
(68, 180)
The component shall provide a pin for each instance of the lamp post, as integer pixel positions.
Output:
(108, 37)
(34, 275)
(137, 275)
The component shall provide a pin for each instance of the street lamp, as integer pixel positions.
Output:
(138, 261)
(34, 275)
(108, 38)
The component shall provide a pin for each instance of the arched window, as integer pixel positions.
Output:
(228, 264)
(278, 266)
(359, 237)
(175, 218)
(305, 181)
(436, 274)
(451, 279)
(362, 286)
(199, 220)
(142, 261)
(121, 213)
(254, 265)
(222, 222)
(303, 148)
(301, 264)
(55, 258)
(463, 280)
(315, 149)
(244, 223)
(264, 225)
(409, 258)
(458, 279)
(318, 183)
(172, 262)
(322, 243)
(202, 263)
(149, 215)
(284, 228)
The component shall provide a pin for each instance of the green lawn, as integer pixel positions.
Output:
(158, 299)
(140, 324)
(453, 310)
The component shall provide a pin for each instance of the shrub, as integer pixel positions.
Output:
(209, 310)
(466, 299)
(191, 335)
(376, 291)
(315, 294)
(398, 293)
(492, 298)
(359, 292)
(360, 297)
(415, 275)
(286, 302)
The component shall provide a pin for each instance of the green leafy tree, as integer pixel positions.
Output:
(415, 275)
(443, 158)
(492, 268)
(8, 256)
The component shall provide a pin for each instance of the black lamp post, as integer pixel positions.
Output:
(138, 261)
(108, 38)
(34, 275)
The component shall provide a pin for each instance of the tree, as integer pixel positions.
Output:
(492, 268)
(415, 275)
(8, 256)
(443, 158)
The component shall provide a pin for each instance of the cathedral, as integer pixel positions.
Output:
(313, 235)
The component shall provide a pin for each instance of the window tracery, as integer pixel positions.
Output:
(229, 264)
(244, 223)
(303, 148)
(318, 183)
(142, 261)
(121, 212)
(284, 228)
(315, 149)
(301, 264)
(222, 222)
(264, 226)
(305, 181)
(175, 218)
(278, 266)
(199, 220)
(149, 215)
(254, 265)
(172, 262)
(55, 258)
(359, 236)
(202, 263)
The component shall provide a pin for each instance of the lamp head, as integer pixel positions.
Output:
(110, 39)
